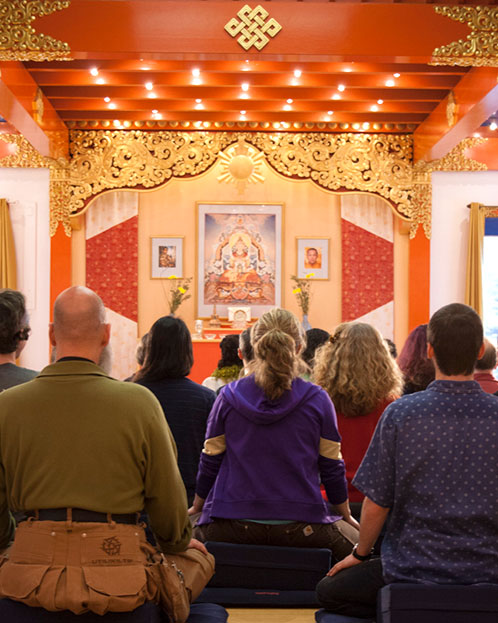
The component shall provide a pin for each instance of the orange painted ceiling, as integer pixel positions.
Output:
(159, 63)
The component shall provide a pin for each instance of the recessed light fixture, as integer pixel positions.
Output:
(374, 108)
(366, 125)
(151, 95)
(341, 88)
(477, 135)
(154, 112)
(196, 81)
(149, 86)
(330, 112)
(356, 126)
(287, 107)
(116, 123)
(100, 81)
(289, 101)
(390, 83)
(198, 124)
(157, 115)
(380, 102)
(347, 70)
(244, 96)
(144, 68)
(396, 75)
(196, 72)
(245, 86)
(297, 73)
(493, 126)
(107, 99)
(112, 106)
(336, 96)
(94, 71)
(199, 106)
(242, 112)
(245, 66)
(198, 101)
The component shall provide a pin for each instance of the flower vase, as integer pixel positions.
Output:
(305, 323)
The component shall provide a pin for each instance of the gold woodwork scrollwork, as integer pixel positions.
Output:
(18, 39)
(26, 156)
(480, 47)
(455, 160)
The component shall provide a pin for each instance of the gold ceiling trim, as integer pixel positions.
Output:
(480, 48)
(455, 160)
(253, 27)
(26, 156)
(19, 41)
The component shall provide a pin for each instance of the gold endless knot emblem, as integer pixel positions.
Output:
(253, 27)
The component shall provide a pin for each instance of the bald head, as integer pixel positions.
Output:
(79, 323)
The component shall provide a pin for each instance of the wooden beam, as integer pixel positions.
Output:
(476, 96)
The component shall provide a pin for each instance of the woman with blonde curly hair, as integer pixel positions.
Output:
(271, 437)
(358, 372)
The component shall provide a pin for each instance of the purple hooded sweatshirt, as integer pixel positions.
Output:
(265, 459)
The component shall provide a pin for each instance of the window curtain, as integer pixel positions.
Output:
(8, 268)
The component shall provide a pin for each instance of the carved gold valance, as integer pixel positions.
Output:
(103, 160)
(480, 48)
(19, 41)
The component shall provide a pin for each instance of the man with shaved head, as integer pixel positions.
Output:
(82, 454)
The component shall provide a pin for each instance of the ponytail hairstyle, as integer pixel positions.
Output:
(277, 338)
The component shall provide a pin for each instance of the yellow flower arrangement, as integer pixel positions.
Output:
(178, 292)
(303, 291)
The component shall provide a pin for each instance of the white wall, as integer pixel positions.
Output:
(451, 193)
(27, 192)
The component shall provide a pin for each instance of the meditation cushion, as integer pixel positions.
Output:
(265, 575)
(323, 616)
(438, 603)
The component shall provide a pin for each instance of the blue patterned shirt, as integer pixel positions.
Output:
(433, 461)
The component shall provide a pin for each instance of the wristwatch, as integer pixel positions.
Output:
(359, 557)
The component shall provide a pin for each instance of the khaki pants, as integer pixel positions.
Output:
(81, 567)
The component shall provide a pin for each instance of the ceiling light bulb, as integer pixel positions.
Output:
(493, 126)
(289, 101)
(196, 81)
(242, 112)
(112, 106)
(380, 102)
(116, 123)
(154, 112)
(198, 100)
(199, 107)
(336, 96)
(149, 86)
(157, 115)
(196, 72)
(477, 135)
(389, 83)
(347, 70)
(297, 73)
(374, 108)
(94, 71)
(396, 75)
(245, 86)
(107, 99)
(287, 107)
(151, 95)
(100, 81)
(244, 96)
(356, 126)
(341, 88)
(330, 112)
(366, 125)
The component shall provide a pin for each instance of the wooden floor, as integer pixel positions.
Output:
(271, 615)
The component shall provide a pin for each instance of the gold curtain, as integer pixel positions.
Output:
(473, 284)
(8, 268)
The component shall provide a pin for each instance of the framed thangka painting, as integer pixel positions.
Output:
(239, 257)
(167, 257)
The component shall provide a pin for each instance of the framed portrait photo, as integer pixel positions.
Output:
(313, 258)
(239, 262)
(167, 257)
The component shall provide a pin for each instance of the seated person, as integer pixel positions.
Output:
(246, 351)
(14, 332)
(271, 437)
(417, 368)
(432, 467)
(314, 339)
(356, 369)
(229, 366)
(186, 405)
(483, 373)
(81, 455)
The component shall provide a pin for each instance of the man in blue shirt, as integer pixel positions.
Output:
(432, 467)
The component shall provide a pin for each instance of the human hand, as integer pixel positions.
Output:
(195, 544)
(352, 522)
(345, 563)
(197, 506)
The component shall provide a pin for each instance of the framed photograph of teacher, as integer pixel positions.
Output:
(313, 258)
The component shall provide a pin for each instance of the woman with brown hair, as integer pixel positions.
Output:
(271, 438)
(358, 372)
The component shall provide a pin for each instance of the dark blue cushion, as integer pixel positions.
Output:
(258, 597)
(438, 603)
(16, 612)
(268, 567)
(207, 613)
(323, 616)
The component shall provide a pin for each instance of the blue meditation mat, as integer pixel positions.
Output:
(323, 616)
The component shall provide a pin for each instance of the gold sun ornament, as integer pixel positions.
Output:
(241, 164)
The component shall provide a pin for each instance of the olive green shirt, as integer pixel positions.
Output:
(74, 437)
